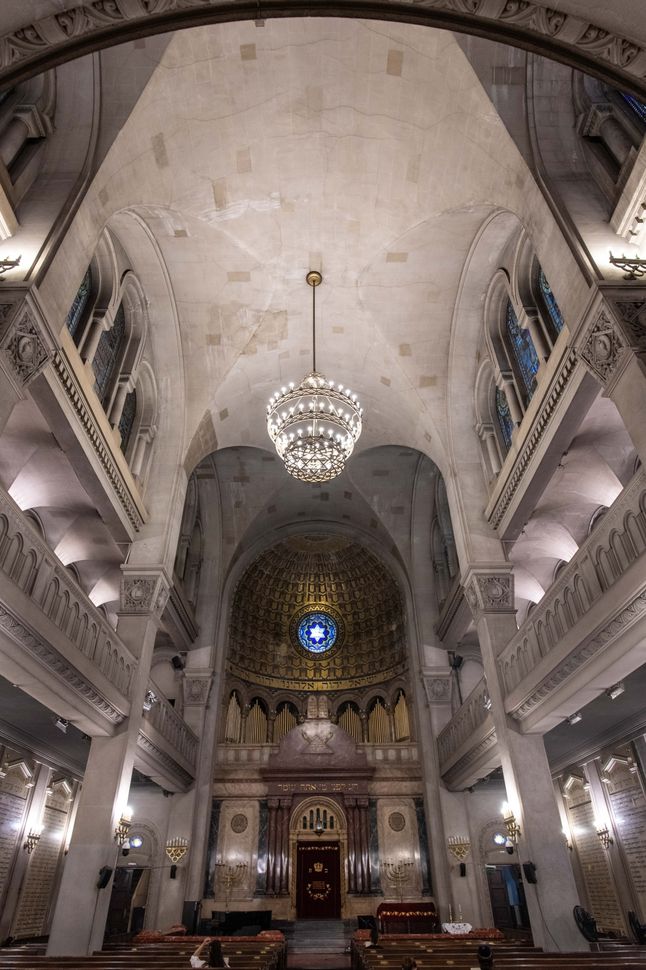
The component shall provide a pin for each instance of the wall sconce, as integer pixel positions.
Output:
(459, 845)
(511, 825)
(33, 838)
(176, 849)
(122, 829)
(567, 838)
(6, 264)
(149, 699)
(604, 836)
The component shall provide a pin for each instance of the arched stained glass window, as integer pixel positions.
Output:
(504, 417)
(108, 353)
(78, 306)
(524, 351)
(550, 302)
(127, 419)
(636, 106)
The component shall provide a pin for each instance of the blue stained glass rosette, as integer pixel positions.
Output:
(317, 632)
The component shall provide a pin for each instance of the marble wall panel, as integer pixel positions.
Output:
(238, 843)
(399, 839)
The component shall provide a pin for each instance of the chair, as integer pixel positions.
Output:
(638, 929)
(586, 923)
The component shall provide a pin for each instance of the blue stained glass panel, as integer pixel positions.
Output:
(107, 353)
(317, 632)
(504, 417)
(79, 304)
(550, 302)
(524, 351)
(127, 419)
(637, 106)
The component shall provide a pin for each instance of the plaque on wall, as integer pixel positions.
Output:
(397, 821)
(239, 823)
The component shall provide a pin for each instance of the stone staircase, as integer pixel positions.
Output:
(319, 944)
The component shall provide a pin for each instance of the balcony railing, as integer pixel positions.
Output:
(27, 560)
(464, 723)
(172, 727)
(615, 544)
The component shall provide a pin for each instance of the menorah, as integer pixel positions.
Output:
(231, 875)
(460, 846)
(398, 872)
(176, 849)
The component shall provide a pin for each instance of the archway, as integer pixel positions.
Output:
(318, 850)
(29, 48)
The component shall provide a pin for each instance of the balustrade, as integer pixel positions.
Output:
(171, 726)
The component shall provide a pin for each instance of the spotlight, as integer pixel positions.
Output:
(575, 718)
(615, 691)
(136, 842)
(61, 723)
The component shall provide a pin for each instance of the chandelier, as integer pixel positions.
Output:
(315, 424)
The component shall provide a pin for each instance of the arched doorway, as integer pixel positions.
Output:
(318, 837)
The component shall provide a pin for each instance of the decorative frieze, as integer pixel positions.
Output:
(197, 687)
(437, 686)
(35, 45)
(618, 329)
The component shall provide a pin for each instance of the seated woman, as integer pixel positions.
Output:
(214, 957)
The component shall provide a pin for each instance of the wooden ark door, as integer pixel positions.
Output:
(318, 880)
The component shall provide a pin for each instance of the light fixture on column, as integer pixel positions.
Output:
(315, 424)
(149, 700)
(632, 266)
(615, 691)
(122, 829)
(575, 718)
(604, 835)
(459, 845)
(176, 849)
(62, 724)
(511, 825)
(32, 839)
(7, 264)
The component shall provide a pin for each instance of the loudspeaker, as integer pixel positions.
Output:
(104, 877)
(173, 872)
(177, 662)
(463, 868)
(530, 872)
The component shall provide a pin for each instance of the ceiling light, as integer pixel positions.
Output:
(315, 424)
(615, 691)
(575, 718)
(61, 723)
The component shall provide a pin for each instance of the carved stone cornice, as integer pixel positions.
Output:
(168, 766)
(57, 665)
(33, 47)
(143, 590)
(25, 339)
(490, 589)
(485, 749)
(197, 687)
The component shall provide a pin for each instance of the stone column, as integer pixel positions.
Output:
(272, 804)
(79, 919)
(364, 839)
(506, 384)
(613, 347)
(95, 330)
(363, 717)
(119, 400)
(529, 320)
(349, 804)
(528, 780)
(285, 807)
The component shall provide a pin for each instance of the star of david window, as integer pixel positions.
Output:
(317, 632)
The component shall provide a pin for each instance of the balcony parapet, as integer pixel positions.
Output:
(575, 620)
(51, 618)
(166, 746)
(467, 747)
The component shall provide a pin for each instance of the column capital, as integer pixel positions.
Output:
(618, 327)
(144, 589)
(197, 687)
(26, 341)
(437, 684)
(489, 588)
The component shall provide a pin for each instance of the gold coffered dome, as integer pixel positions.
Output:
(317, 612)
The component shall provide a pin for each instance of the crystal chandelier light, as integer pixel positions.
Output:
(315, 424)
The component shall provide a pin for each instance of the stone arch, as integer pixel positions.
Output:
(559, 35)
